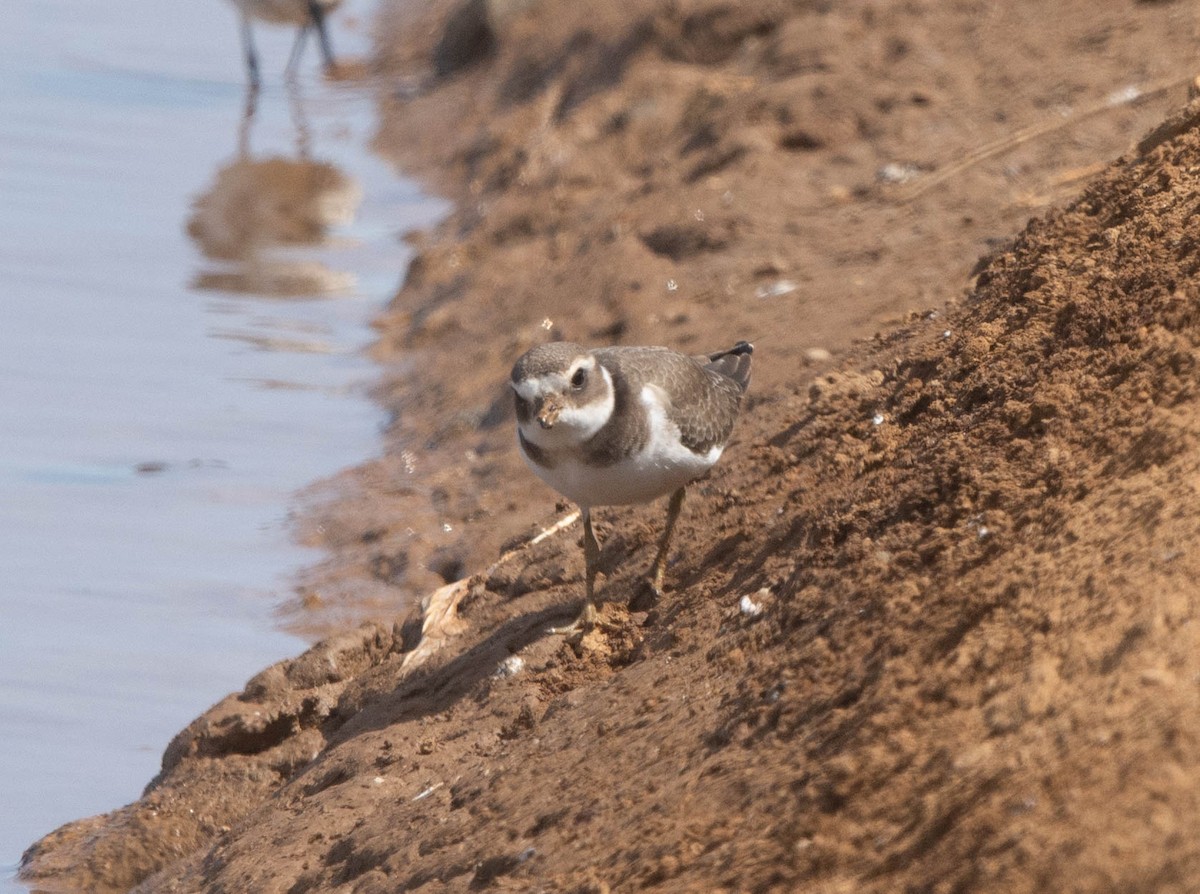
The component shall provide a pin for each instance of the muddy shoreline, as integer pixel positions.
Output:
(960, 492)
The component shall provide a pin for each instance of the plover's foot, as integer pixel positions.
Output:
(581, 625)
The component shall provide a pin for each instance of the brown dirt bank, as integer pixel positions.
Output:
(971, 536)
(690, 173)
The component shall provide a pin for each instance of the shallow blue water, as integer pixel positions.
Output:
(156, 414)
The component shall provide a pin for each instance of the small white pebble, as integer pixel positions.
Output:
(892, 172)
(749, 607)
(510, 666)
(775, 289)
(378, 780)
(547, 324)
(672, 285)
(447, 527)
(877, 419)
(983, 532)
(1124, 95)
(946, 333)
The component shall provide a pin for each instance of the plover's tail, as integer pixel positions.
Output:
(733, 363)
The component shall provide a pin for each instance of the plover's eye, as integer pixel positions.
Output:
(579, 379)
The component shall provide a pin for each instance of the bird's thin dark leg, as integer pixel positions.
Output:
(318, 17)
(250, 51)
(659, 569)
(591, 559)
(297, 50)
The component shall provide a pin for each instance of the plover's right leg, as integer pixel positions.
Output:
(317, 12)
(659, 568)
(591, 559)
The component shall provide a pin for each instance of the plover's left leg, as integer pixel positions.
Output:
(591, 558)
(659, 568)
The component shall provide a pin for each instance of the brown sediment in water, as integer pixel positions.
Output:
(961, 494)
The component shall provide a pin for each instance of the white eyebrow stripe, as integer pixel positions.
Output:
(587, 361)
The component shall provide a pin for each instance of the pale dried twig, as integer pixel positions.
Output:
(440, 622)
(1024, 135)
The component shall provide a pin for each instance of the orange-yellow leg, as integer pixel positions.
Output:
(591, 558)
(659, 568)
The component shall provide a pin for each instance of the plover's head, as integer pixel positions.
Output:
(563, 395)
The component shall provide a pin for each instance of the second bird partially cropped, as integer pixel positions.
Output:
(305, 15)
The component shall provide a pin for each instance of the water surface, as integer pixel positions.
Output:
(167, 381)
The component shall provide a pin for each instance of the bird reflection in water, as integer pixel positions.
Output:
(254, 221)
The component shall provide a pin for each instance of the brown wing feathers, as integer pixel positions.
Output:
(705, 391)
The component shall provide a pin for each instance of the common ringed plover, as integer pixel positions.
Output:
(622, 425)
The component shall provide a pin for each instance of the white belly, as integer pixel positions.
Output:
(635, 480)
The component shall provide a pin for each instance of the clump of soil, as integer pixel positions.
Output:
(930, 623)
